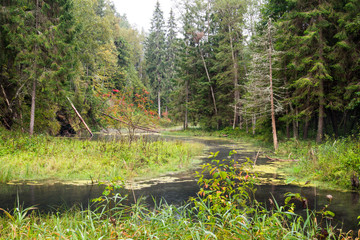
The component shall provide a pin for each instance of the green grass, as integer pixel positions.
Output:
(163, 222)
(45, 157)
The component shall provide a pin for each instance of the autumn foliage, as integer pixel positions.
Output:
(129, 109)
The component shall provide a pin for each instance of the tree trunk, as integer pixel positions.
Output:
(33, 93)
(236, 80)
(345, 121)
(159, 103)
(236, 112)
(32, 113)
(209, 79)
(306, 127)
(294, 124)
(241, 120)
(273, 123)
(79, 116)
(186, 124)
(320, 130)
(287, 123)
(21, 116)
(253, 124)
(307, 119)
(246, 123)
(287, 105)
(334, 123)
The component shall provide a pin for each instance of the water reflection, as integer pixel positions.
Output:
(47, 197)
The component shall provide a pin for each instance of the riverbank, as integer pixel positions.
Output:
(44, 157)
(333, 164)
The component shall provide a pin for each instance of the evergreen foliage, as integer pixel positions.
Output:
(313, 39)
(155, 55)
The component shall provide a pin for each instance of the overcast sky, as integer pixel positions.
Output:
(139, 12)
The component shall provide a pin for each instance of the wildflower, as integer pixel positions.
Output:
(115, 90)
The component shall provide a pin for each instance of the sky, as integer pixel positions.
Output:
(139, 12)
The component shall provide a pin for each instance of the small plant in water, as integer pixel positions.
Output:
(227, 188)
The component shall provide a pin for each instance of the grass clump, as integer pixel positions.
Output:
(45, 157)
(333, 161)
(224, 209)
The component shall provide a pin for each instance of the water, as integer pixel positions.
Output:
(177, 188)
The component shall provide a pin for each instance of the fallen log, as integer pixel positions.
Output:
(82, 120)
(132, 125)
(281, 160)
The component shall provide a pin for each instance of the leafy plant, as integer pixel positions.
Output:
(226, 187)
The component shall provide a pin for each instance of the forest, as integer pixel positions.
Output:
(210, 66)
(282, 74)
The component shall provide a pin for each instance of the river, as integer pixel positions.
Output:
(176, 188)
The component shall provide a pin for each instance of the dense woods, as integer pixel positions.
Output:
(216, 63)
(51, 50)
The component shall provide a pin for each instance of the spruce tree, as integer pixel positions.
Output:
(155, 54)
(229, 14)
(171, 54)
